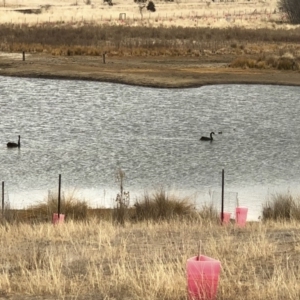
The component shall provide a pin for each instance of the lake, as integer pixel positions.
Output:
(85, 131)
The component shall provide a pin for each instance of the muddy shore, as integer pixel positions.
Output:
(159, 72)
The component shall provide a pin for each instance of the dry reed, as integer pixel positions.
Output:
(282, 207)
(145, 41)
(97, 260)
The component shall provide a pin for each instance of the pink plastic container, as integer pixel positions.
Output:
(55, 219)
(241, 216)
(226, 217)
(202, 277)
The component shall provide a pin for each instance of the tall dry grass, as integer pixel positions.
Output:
(160, 205)
(98, 260)
(282, 206)
(267, 62)
(145, 41)
(71, 206)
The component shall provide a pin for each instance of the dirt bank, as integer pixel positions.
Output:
(162, 72)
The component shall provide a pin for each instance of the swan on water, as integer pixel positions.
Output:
(205, 138)
(14, 145)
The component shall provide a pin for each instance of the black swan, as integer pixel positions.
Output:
(205, 138)
(14, 145)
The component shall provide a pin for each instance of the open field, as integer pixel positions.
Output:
(164, 72)
(99, 260)
(161, 57)
(220, 14)
(217, 42)
(154, 72)
(91, 256)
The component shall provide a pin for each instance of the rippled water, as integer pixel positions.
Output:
(86, 130)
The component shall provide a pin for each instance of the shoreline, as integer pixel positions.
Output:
(152, 72)
(184, 86)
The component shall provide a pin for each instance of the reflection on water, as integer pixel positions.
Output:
(86, 130)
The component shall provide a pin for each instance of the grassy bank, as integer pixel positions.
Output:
(237, 47)
(145, 258)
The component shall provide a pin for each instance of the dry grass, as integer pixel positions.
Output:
(162, 206)
(97, 260)
(71, 206)
(184, 13)
(245, 48)
(144, 41)
(267, 62)
(282, 207)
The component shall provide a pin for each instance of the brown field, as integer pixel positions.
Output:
(155, 72)
(152, 57)
(185, 13)
(99, 260)
(182, 44)
(92, 256)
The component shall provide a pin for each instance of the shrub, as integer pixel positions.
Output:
(71, 207)
(291, 8)
(281, 207)
(272, 61)
(262, 62)
(285, 64)
(151, 6)
(234, 45)
(209, 213)
(160, 206)
(261, 65)
(239, 62)
(121, 212)
(243, 62)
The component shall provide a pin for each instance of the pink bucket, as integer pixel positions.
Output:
(241, 216)
(226, 217)
(56, 220)
(202, 277)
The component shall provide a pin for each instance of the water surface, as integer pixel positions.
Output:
(87, 130)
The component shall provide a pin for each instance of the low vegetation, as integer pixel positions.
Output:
(282, 207)
(146, 260)
(292, 10)
(257, 46)
(160, 207)
(285, 62)
(72, 207)
(93, 257)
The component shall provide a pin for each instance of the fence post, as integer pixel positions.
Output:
(222, 205)
(59, 190)
(2, 199)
